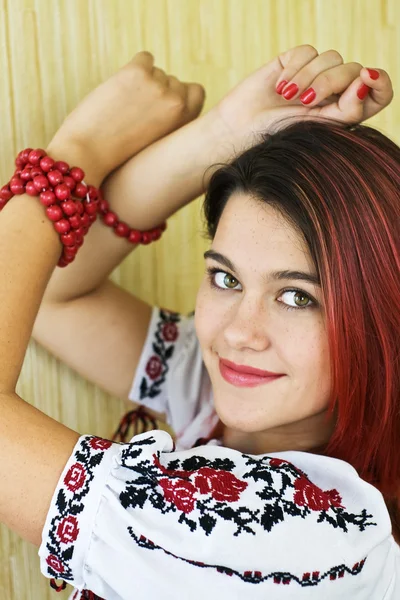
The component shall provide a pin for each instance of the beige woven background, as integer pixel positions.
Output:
(52, 52)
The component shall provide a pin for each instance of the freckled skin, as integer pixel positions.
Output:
(250, 326)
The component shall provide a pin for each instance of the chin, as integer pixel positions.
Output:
(241, 418)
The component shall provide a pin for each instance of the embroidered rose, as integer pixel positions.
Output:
(68, 530)
(55, 563)
(75, 478)
(169, 331)
(277, 462)
(100, 444)
(154, 367)
(179, 493)
(308, 494)
(222, 485)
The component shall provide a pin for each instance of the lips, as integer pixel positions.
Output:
(244, 376)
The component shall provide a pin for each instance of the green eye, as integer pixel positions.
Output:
(229, 281)
(301, 299)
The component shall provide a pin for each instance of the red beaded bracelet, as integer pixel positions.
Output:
(123, 230)
(61, 190)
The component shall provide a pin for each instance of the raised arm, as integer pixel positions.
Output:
(166, 176)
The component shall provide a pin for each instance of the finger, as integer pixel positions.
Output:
(144, 59)
(381, 91)
(306, 76)
(350, 106)
(160, 76)
(195, 99)
(292, 61)
(177, 86)
(329, 83)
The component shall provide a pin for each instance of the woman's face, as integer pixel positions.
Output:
(259, 306)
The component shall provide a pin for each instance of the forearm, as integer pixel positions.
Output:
(144, 192)
(166, 176)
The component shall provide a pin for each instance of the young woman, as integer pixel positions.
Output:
(300, 355)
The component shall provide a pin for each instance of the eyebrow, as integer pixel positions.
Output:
(279, 275)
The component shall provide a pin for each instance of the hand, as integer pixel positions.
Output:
(255, 104)
(126, 113)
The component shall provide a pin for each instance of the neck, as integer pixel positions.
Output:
(310, 435)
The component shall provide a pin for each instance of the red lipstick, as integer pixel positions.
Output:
(244, 376)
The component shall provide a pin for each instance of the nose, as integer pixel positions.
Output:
(247, 327)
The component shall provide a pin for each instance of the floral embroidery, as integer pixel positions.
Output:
(308, 579)
(308, 494)
(206, 492)
(64, 526)
(157, 366)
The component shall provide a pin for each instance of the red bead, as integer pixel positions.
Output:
(17, 172)
(135, 236)
(48, 198)
(70, 251)
(69, 208)
(80, 190)
(85, 220)
(55, 177)
(68, 239)
(30, 189)
(25, 155)
(75, 221)
(92, 219)
(163, 227)
(122, 229)
(17, 186)
(62, 192)
(62, 226)
(104, 206)
(41, 183)
(155, 235)
(2, 203)
(62, 263)
(85, 230)
(19, 162)
(110, 219)
(93, 193)
(5, 193)
(70, 182)
(35, 156)
(36, 171)
(80, 209)
(26, 174)
(146, 237)
(62, 166)
(91, 208)
(54, 213)
(77, 174)
(46, 164)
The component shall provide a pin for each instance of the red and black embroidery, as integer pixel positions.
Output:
(166, 334)
(64, 527)
(307, 579)
(202, 492)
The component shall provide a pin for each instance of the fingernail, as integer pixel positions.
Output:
(290, 91)
(308, 96)
(373, 73)
(363, 91)
(280, 86)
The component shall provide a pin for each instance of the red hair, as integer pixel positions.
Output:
(340, 186)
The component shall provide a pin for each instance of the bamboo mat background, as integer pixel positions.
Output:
(52, 52)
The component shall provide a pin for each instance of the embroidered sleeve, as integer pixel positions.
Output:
(126, 516)
(169, 374)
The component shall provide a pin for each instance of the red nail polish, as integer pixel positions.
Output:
(280, 86)
(308, 96)
(373, 73)
(291, 91)
(363, 91)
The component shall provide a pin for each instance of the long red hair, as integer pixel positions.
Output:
(340, 186)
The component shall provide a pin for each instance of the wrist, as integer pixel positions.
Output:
(76, 155)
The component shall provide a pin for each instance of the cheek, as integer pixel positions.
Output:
(207, 318)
